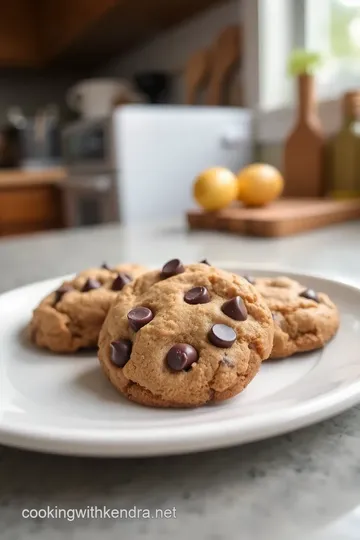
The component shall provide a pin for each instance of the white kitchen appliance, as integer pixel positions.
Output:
(139, 164)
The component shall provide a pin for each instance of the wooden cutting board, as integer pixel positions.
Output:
(282, 218)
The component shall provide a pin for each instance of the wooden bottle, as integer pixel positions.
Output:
(304, 153)
(345, 151)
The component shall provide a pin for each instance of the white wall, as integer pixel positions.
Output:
(170, 50)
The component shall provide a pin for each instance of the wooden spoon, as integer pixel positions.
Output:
(226, 54)
(196, 72)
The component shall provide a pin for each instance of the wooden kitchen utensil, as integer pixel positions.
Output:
(281, 218)
(304, 153)
(225, 57)
(196, 73)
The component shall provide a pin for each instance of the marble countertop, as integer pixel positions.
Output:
(301, 485)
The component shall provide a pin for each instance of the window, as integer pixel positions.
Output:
(272, 29)
(331, 27)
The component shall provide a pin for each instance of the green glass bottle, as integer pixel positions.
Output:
(345, 151)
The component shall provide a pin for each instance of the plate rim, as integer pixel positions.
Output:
(185, 439)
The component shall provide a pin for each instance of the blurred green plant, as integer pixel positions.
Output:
(303, 62)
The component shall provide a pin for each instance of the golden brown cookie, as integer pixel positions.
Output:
(304, 319)
(185, 336)
(71, 317)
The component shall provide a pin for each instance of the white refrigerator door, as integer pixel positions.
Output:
(161, 149)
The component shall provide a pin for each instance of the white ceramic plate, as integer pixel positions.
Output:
(64, 404)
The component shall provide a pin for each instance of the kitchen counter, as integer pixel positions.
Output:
(11, 178)
(304, 485)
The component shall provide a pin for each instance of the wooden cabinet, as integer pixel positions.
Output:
(33, 32)
(19, 35)
(67, 20)
(29, 209)
(84, 32)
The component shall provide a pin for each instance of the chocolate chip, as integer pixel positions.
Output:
(235, 309)
(310, 294)
(250, 279)
(222, 336)
(205, 261)
(120, 352)
(105, 266)
(181, 356)
(139, 316)
(172, 268)
(61, 291)
(91, 284)
(197, 295)
(120, 281)
(252, 346)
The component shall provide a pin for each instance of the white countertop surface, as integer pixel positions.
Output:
(302, 485)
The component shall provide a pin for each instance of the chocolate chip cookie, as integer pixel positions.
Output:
(71, 317)
(304, 319)
(185, 336)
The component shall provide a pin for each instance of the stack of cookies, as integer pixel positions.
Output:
(184, 335)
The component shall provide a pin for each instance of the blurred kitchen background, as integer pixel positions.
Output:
(109, 109)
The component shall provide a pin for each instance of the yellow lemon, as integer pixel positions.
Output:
(215, 188)
(259, 184)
